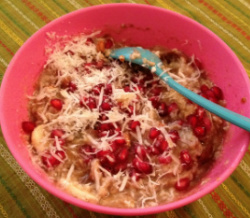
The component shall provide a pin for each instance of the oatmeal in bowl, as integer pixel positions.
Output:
(106, 130)
(109, 136)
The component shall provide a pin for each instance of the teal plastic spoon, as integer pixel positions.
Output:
(149, 60)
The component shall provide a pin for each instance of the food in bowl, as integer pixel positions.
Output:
(112, 133)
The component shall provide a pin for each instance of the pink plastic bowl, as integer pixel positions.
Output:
(141, 25)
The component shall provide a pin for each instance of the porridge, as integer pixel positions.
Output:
(111, 133)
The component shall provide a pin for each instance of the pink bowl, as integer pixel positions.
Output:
(141, 25)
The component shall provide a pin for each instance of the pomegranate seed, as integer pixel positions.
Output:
(97, 89)
(165, 159)
(154, 133)
(172, 107)
(91, 103)
(213, 99)
(207, 123)
(156, 91)
(72, 87)
(56, 103)
(127, 89)
(185, 158)
(57, 132)
(163, 146)
(28, 126)
(200, 131)
(192, 120)
(119, 167)
(155, 101)
(135, 79)
(129, 110)
(105, 126)
(133, 124)
(123, 154)
(134, 175)
(204, 88)
(140, 151)
(120, 141)
(163, 109)
(198, 63)
(158, 145)
(103, 117)
(50, 161)
(154, 150)
(106, 157)
(99, 64)
(209, 94)
(85, 149)
(174, 135)
(182, 184)
(106, 106)
(108, 90)
(142, 167)
(108, 43)
(139, 88)
(200, 112)
(89, 41)
(217, 92)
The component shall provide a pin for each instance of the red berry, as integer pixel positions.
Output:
(108, 43)
(57, 132)
(133, 124)
(186, 158)
(97, 89)
(182, 184)
(174, 135)
(108, 90)
(140, 151)
(207, 123)
(192, 120)
(162, 109)
(56, 103)
(154, 133)
(120, 141)
(127, 89)
(28, 126)
(106, 106)
(156, 91)
(198, 63)
(123, 154)
(165, 159)
(204, 88)
(72, 87)
(172, 107)
(50, 161)
(217, 92)
(142, 167)
(89, 41)
(155, 101)
(134, 175)
(200, 131)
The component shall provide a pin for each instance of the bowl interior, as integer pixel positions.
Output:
(164, 28)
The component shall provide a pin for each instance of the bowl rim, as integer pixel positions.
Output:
(98, 208)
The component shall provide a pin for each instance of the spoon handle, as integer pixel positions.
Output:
(220, 111)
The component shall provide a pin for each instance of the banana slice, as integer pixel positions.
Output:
(37, 137)
(81, 191)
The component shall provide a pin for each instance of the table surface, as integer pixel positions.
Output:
(20, 197)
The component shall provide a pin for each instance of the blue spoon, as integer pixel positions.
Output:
(149, 60)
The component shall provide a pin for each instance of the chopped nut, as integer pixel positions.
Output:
(100, 46)
(121, 58)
